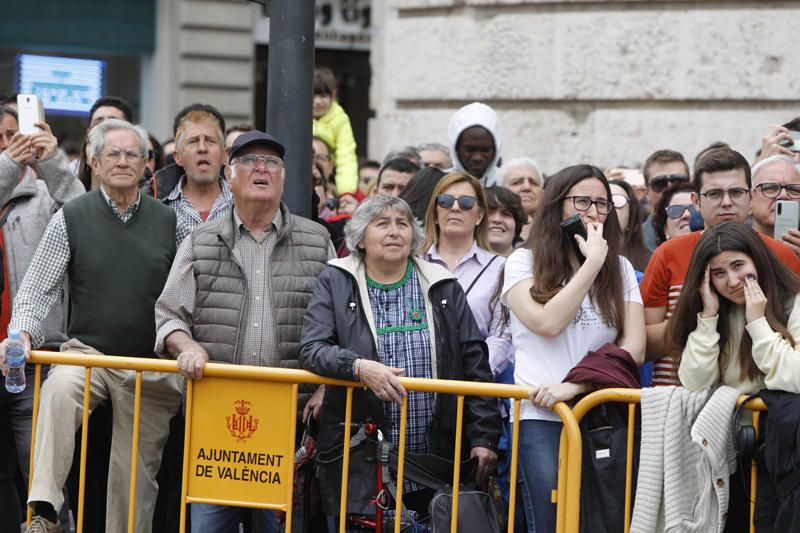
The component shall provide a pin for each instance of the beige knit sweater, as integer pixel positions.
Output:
(686, 459)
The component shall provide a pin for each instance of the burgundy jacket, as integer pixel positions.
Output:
(608, 367)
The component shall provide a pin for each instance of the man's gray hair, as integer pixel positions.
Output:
(97, 135)
(406, 152)
(434, 147)
(773, 160)
(369, 210)
(518, 162)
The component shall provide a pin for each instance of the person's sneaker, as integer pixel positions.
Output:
(42, 525)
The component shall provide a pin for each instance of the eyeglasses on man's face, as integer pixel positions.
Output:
(584, 203)
(118, 155)
(736, 194)
(659, 183)
(249, 162)
(773, 190)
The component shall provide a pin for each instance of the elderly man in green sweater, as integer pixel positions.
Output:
(117, 247)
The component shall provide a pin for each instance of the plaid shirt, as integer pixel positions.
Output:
(186, 212)
(45, 276)
(404, 342)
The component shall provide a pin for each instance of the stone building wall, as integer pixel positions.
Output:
(205, 52)
(606, 82)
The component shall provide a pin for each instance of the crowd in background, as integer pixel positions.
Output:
(448, 258)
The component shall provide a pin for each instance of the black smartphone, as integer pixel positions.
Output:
(574, 226)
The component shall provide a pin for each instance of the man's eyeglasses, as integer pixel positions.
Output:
(117, 155)
(659, 183)
(272, 163)
(619, 200)
(773, 190)
(584, 203)
(676, 211)
(446, 201)
(736, 194)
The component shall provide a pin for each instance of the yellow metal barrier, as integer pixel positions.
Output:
(274, 375)
(570, 456)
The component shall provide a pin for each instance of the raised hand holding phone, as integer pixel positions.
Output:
(709, 297)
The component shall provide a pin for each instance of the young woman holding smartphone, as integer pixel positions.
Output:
(560, 310)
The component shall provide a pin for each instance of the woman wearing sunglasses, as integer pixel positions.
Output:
(673, 212)
(562, 308)
(456, 237)
(629, 214)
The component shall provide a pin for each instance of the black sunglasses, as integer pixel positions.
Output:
(676, 211)
(659, 183)
(446, 201)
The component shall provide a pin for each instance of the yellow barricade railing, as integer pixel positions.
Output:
(571, 448)
(458, 388)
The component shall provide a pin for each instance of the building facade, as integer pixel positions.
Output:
(599, 81)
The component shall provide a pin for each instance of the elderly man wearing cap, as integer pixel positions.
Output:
(259, 258)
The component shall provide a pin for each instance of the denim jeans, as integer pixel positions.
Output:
(222, 519)
(538, 470)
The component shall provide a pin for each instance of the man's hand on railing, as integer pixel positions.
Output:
(191, 357)
(314, 404)
(26, 339)
(487, 461)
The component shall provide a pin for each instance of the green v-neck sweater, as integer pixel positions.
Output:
(116, 272)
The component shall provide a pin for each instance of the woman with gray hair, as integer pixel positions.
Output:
(382, 313)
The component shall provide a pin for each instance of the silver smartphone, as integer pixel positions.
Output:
(30, 111)
(787, 216)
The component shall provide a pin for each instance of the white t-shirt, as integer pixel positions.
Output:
(541, 360)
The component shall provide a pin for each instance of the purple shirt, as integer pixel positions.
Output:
(469, 267)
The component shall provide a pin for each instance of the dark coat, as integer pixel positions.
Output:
(778, 494)
(336, 328)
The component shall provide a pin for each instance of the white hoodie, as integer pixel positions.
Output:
(476, 114)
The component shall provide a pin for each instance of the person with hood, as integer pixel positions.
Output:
(475, 140)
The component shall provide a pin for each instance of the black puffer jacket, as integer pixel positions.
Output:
(338, 327)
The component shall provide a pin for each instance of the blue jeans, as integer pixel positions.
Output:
(222, 519)
(538, 470)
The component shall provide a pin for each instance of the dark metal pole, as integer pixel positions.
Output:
(289, 94)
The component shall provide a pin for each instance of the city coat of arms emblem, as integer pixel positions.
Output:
(241, 423)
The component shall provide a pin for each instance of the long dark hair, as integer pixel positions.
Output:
(552, 250)
(778, 283)
(633, 246)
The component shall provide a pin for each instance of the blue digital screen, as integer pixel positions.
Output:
(64, 85)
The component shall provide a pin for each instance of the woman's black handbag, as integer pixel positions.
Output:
(604, 432)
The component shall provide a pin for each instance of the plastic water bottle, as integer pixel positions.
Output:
(15, 359)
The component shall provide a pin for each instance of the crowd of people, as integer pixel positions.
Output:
(446, 260)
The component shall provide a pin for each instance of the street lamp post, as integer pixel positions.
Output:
(290, 96)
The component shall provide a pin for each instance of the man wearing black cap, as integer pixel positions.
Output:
(259, 259)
